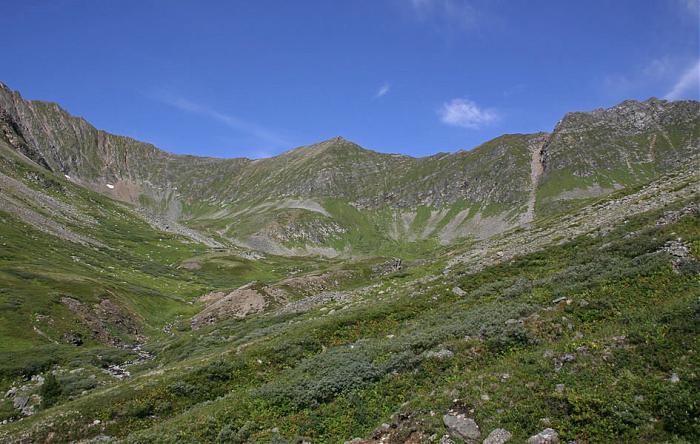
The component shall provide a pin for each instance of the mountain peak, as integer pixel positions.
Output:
(333, 145)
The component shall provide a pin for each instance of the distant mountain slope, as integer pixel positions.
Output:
(591, 154)
(335, 197)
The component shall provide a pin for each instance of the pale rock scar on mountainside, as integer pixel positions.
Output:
(536, 170)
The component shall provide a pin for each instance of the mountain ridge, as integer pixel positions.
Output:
(378, 198)
(626, 102)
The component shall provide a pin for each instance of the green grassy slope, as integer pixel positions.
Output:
(87, 284)
(625, 313)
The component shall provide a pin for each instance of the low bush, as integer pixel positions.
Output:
(7, 410)
(230, 433)
(51, 391)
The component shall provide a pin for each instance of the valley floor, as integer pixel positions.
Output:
(592, 332)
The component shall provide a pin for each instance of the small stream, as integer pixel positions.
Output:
(119, 371)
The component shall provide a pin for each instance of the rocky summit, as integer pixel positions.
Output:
(537, 288)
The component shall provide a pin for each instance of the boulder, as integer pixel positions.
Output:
(462, 427)
(458, 291)
(546, 436)
(440, 354)
(498, 436)
(446, 440)
(20, 402)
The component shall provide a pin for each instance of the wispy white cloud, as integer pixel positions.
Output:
(452, 14)
(655, 76)
(465, 113)
(383, 90)
(250, 129)
(687, 85)
(657, 68)
(643, 76)
(514, 90)
(692, 6)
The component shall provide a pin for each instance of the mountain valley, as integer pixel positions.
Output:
(536, 285)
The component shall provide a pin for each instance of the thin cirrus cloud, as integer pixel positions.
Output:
(687, 85)
(250, 129)
(446, 14)
(465, 113)
(653, 71)
(383, 90)
(657, 74)
(693, 6)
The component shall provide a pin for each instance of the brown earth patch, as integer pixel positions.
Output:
(101, 318)
(239, 303)
(190, 265)
(312, 284)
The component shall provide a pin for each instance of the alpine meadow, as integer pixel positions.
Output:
(541, 286)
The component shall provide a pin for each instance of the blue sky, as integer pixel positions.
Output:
(255, 78)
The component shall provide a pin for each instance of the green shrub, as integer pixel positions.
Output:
(7, 410)
(679, 408)
(140, 409)
(51, 391)
(235, 435)
(216, 371)
(322, 377)
(182, 389)
(74, 384)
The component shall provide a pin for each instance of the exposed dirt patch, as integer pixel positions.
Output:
(451, 230)
(239, 303)
(317, 283)
(435, 217)
(483, 227)
(594, 190)
(190, 265)
(103, 318)
(124, 190)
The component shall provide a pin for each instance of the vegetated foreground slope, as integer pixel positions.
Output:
(144, 319)
(594, 336)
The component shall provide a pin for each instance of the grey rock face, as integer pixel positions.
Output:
(680, 256)
(677, 249)
(561, 360)
(546, 436)
(458, 291)
(498, 436)
(462, 427)
(446, 440)
(440, 354)
(20, 402)
(388, 267)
